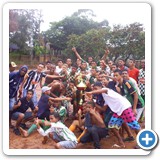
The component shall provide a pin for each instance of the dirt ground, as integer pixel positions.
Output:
(34, 141)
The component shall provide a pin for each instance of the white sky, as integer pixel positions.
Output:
(115, 13)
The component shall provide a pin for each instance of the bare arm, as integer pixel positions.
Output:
(76, 53)
(60, 99)
(105, 55)
(103, 109)
(97, 91)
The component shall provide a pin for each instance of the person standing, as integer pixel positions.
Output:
(15, 81)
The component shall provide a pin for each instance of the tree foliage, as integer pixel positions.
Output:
(24, 27)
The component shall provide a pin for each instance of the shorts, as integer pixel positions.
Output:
(127, 116)
(65, 144)
(27, 115)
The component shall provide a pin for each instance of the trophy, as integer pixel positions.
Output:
(81, 87)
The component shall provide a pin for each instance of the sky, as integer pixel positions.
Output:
(115, 13)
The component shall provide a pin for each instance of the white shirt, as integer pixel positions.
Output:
(115, 101)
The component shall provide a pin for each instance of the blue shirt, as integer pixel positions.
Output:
(43, 107)
(15, 79)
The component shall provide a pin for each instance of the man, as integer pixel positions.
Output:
(20, 112)
(121, 64)
(15, 81)
(31, 81)
(95, 128)
(133, 71)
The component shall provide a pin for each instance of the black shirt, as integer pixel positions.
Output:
(24, 105)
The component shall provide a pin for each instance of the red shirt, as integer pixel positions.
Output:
(134, 73)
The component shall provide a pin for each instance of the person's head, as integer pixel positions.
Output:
(100, 75)
(40, 67)
(79, 61)
(105, 81)
(59, 63)
(71, 84)
(97, 85)
(23, 70)
(131, 62)
(93, 72)
(54, 117)
(125, 74)
(94, 64)
(110, 62)
(113, 67)
(46, 90)
(143, 64)
(74, 69)
(51, 109)
(52, 68)
(69, 62)
(56, 104)
(12, 66)
(117, 75)
(83, 66)
(29, 94)
(121, 62)
(90, 59)
(48, 64)
(89, 105)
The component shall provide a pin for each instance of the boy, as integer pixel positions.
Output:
(58, 132)
(122, 111)
(19, 110)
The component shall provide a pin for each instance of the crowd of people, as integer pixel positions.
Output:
(112, 102)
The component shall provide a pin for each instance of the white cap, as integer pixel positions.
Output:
(13, 64)
(45, 88)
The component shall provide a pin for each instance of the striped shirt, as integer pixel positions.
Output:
(33, 79)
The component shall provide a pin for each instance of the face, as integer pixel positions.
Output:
(125, 75)
(74, 69)
(117, 76)
(120, 62)
(110, 63)
(60, 63)
(93, 64)
(56, 104)
(104, 81)
(113, 68)
(23, 71)
(88, 107)
(69, 62)
(48, 92)
(90, 59)
(40, 68)
(48, 65)
(29, 95)
(51, 109)
(130, 63)
(52, 119)
(93, 72)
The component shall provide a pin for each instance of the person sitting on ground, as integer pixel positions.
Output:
(96, 129)
(58, 132)
(20, 112)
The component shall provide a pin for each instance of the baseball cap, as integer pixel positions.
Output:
(13, 64)
(45, 88)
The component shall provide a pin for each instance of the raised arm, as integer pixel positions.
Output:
(76, 53)
(105, 54)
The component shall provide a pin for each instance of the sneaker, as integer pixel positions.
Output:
(129, 139)
(16, 131)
